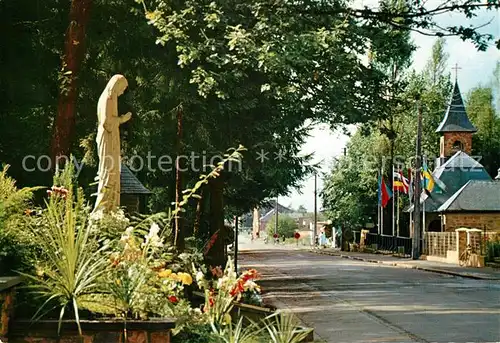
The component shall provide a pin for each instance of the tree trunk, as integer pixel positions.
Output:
(179, 232)
(74, 50)
(199, 211)
(216, 253)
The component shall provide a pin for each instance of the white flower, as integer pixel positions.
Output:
(97, 215)
(154, 230)
(199, 276)
(152, 237)
(128, 233)
(252, 286)
(120, 216)
(220, 282)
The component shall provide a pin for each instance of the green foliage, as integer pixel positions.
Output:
(15, 256)
(287, 226)
(238, 333)
(484, 116)
(13, 201)
(283, 327)
(350, 190)
(17, 248)
(492, 249)
(196, 334)
(72, 262)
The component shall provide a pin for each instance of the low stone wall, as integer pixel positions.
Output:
(100, 331)
(7, 293)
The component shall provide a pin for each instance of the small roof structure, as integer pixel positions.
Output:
(130, 184)
(456, 119)
(454, 173)
(474, 196)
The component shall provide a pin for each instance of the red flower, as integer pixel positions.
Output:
(239, 288)
(60, 191)
(251, 274)
(173, 299)
(211, 302)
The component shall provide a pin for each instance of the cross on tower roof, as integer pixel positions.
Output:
(456, 68)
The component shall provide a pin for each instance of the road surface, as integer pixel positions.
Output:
(352, 301)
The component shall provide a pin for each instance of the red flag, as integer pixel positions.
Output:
(384, 192)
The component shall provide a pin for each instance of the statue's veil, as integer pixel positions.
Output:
(114, 82)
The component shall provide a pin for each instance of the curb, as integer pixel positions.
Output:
(406, 266)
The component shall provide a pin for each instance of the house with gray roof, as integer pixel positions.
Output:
(133, 194)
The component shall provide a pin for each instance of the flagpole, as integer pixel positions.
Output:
(378, 203)
(424, 226)
(410, 195)
(381, 207)
(381, 219)
(397, 209)
(393, 203)
(411, 219)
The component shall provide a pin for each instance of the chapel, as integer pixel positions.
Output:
(471, 197)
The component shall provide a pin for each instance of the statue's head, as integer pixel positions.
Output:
(117, 85)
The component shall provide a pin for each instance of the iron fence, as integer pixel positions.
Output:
(386, 243)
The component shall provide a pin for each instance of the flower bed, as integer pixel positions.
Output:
(105, 277)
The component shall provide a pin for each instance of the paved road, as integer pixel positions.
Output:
(352, 301)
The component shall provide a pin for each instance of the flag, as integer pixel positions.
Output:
(384, 193)
(400, 183)
(429, 182)
(427, 178)
(405, 181)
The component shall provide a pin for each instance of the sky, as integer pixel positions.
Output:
(476, 69)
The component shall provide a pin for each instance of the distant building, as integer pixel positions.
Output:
(263, 215)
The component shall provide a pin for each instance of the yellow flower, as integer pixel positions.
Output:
(165, 273)
(173, 276)
(118, 282)
(227, 318)
(186, 278)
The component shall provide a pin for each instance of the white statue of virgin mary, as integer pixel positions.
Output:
(108, 144)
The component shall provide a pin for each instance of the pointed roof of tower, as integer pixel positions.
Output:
(456, 119)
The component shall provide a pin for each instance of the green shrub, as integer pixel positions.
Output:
(15, 256)
(287, 226)
(17, 247)
(196, 334)
(492, 250)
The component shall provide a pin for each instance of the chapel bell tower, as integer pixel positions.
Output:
(456, 129)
